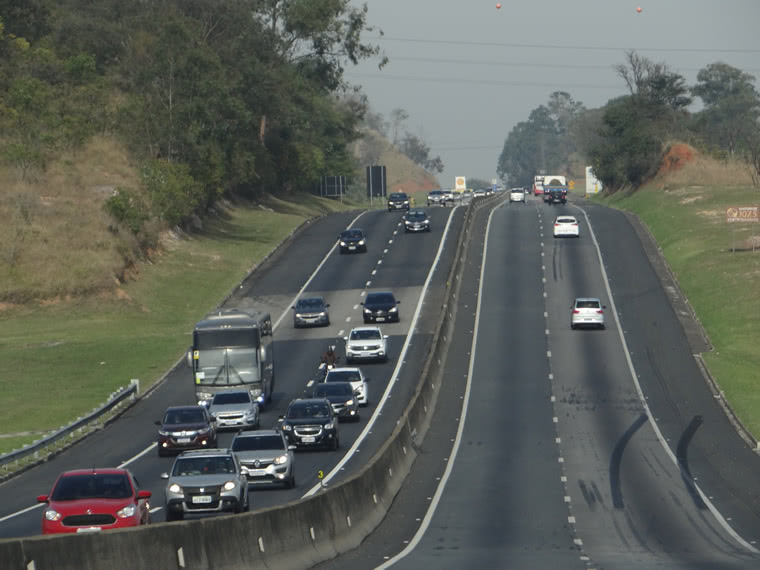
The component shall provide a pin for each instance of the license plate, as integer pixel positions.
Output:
(379, 319)
(351, 247)
(89, 529)
(587, 319)
(183, 440)
(201, 499)
(308, 439)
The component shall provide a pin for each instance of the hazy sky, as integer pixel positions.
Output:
(467, 72)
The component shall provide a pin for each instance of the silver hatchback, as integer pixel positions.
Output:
(234, 409)
(587, 312)
(266, 457)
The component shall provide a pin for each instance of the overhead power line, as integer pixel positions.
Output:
(565, 47)
(465, 81)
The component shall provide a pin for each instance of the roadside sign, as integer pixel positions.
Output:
(742, 214)
(571, 185)
(460, 183)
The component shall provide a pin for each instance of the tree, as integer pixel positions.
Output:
(419, 152)
(398, 120)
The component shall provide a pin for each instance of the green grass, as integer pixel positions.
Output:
(64, 358)
(722, 285)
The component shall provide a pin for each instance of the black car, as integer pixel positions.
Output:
(311, 311)
(416, 221)
(342, 398)
(352, 240)
(380, 307)
(398, 201)
(311, 422)
(185, 427)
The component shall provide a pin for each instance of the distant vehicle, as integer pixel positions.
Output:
(566, 226)
(398, 201)
(516, 195)
(311, 422)
(185, 427)
(234, 409)
(310, 312)
(233, 349)
(449, 196)
(342, 398)
(380, 307)
(479, 193)
(555, 189)
(205, 481)
(416, 221)
(587, 312)
(353, 375)
(266, 457)
(538, 185)
(352, 240)
(366, 343)
(92, 500)
(435, 197)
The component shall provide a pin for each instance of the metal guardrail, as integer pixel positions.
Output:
(116, 398)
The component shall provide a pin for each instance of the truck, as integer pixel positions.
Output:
(555, 189)
(233, 350)
(538, 185)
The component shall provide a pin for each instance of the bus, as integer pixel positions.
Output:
(233, 349)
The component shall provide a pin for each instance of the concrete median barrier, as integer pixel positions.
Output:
(297, 535)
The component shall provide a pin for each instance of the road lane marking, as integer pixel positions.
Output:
(399, 363)
(312, 276)
(460, 429)
(712, 508)
(355, 307)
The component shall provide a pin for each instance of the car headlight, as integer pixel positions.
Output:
(204, 395)
(281, 460)
(329, 425)
(323, 314)
(393, 310)
(204, 431)
(407, 222)
(299, 315)
(163, 432)
(286, 427)
(229, 485)
(174, 488)
(126, 512)
(52, 515)
(366, 310)
(342, 243)
(361, 242)
(350, 403)
(406, 201)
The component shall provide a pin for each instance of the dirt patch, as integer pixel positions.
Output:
(677, 156)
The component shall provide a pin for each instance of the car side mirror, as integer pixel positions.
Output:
(398, 302)
(604, 306)
(385, 336)
(345, 338)
(42, 498)
(189, 357)
(164, 475)
(362, 303)
(244, 470)
(144, 494)
(157, 422)
(281, 419)
(327, 305)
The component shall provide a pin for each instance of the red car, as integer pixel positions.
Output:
(91, 500)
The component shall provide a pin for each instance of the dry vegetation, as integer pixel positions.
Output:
(683, 166)
(56, 240)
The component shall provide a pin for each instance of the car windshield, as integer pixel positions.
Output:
(177, 417)
(380, 299)
(92, 486)
(565, 220)
(587, 304)
(185, 466)
(258, 443)
(342, 376)
(313, 303)
(224, 398)
(333, 389)
(303, 411)
(435, 192)
(416, 216)
(351, 234)
(372, 334)
(398, 196)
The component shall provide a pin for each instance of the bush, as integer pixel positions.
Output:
(128, 209)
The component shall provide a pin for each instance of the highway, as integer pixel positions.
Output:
(563, 448)
(395, 260)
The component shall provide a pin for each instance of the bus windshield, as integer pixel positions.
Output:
(227, 367)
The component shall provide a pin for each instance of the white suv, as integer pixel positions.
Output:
(587, 312)
(366, 343)
(516, 195)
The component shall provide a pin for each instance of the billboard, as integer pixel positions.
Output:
(742, 214)
(460, 183)
(376, 182)
(593, 185)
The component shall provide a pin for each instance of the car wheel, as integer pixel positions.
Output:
(247, 505)
(172, 515)
(327, 323)
(290, 483)
(335, 443)
(161, 452)
(366, 320)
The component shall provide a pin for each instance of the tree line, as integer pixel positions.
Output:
(211, 97)
(624, 140)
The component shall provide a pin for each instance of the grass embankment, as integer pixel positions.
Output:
(65, 355)
(686, 213)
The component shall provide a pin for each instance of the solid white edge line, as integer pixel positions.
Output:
(312, 276)
(718, 516)
(462, 420)
(399, 363)
(274, 327)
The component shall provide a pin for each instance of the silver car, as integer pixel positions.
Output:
(205, 481)
(587, 312)
(266, 457)
(235, 409)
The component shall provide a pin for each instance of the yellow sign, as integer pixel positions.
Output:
(320, 474)
(571, 185)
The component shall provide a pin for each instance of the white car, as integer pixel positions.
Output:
(587, 312)
(357, 379)
(516, 195)
(566, 226)
(366, 343)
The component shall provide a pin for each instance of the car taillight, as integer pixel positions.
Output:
(599, 311)
(575, 224)
(576, 311)
(556, 225)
